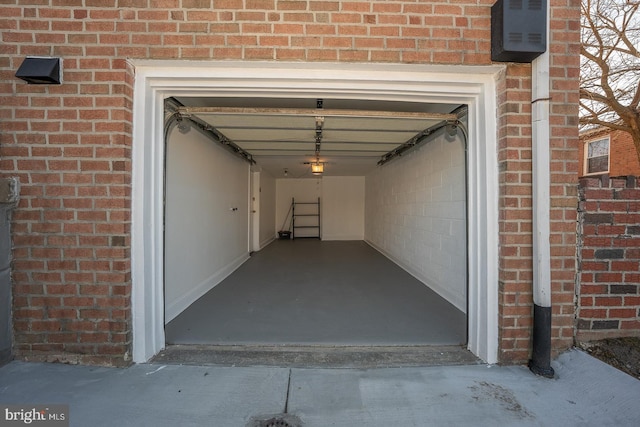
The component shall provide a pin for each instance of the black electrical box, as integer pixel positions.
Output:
(518, 30)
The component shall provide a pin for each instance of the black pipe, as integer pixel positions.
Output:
(540, 363)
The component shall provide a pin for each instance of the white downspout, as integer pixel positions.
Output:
(540, 362)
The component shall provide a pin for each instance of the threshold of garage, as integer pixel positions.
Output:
(316, 356)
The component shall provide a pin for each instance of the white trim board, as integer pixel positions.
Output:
(471, 85)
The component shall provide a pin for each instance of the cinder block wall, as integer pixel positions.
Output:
(609, 251)
(416, 215)
(70, 145)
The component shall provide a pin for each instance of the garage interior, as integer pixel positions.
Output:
(386, 264)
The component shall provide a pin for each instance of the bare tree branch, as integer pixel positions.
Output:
(610, 66)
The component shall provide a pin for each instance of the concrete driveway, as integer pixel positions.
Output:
(585, 392)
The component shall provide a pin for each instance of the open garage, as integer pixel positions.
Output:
(393, 177)
(392, 217)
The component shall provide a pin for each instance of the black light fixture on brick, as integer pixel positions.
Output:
(40, 71)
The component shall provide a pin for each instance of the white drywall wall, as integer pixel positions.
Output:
(267, 208)
(343, 207)
(205, 239)
(415, 214)
(303, 190)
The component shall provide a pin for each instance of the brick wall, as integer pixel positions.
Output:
(70, 145)
(515, 176)
(563, 141)
(514, 156)
(624, 157)
(609, 253)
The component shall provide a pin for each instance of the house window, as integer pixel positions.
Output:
(597, 154)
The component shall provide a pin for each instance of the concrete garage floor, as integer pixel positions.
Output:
(308, 292)
(585, 392)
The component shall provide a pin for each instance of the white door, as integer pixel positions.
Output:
(254, 213)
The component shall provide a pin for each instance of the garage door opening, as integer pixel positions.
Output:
(337, 290)
(387, 196)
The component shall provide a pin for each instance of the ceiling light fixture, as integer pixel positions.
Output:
(317, 168)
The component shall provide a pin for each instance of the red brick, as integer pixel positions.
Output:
(45, 326)
(608, 301)
(28, 313)
(593, 313)
(623, 312)
(631, 301)
(625, 266)
(632, 278)
(630, 325)
(93, 338)
(97, 314)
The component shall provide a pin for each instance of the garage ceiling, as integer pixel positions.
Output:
(282, 134)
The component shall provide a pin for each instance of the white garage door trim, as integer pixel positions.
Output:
(156, 80)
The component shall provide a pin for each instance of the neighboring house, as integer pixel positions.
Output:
(607, 151)
(88, 230)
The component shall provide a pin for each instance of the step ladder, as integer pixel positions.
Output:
(305, 216)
